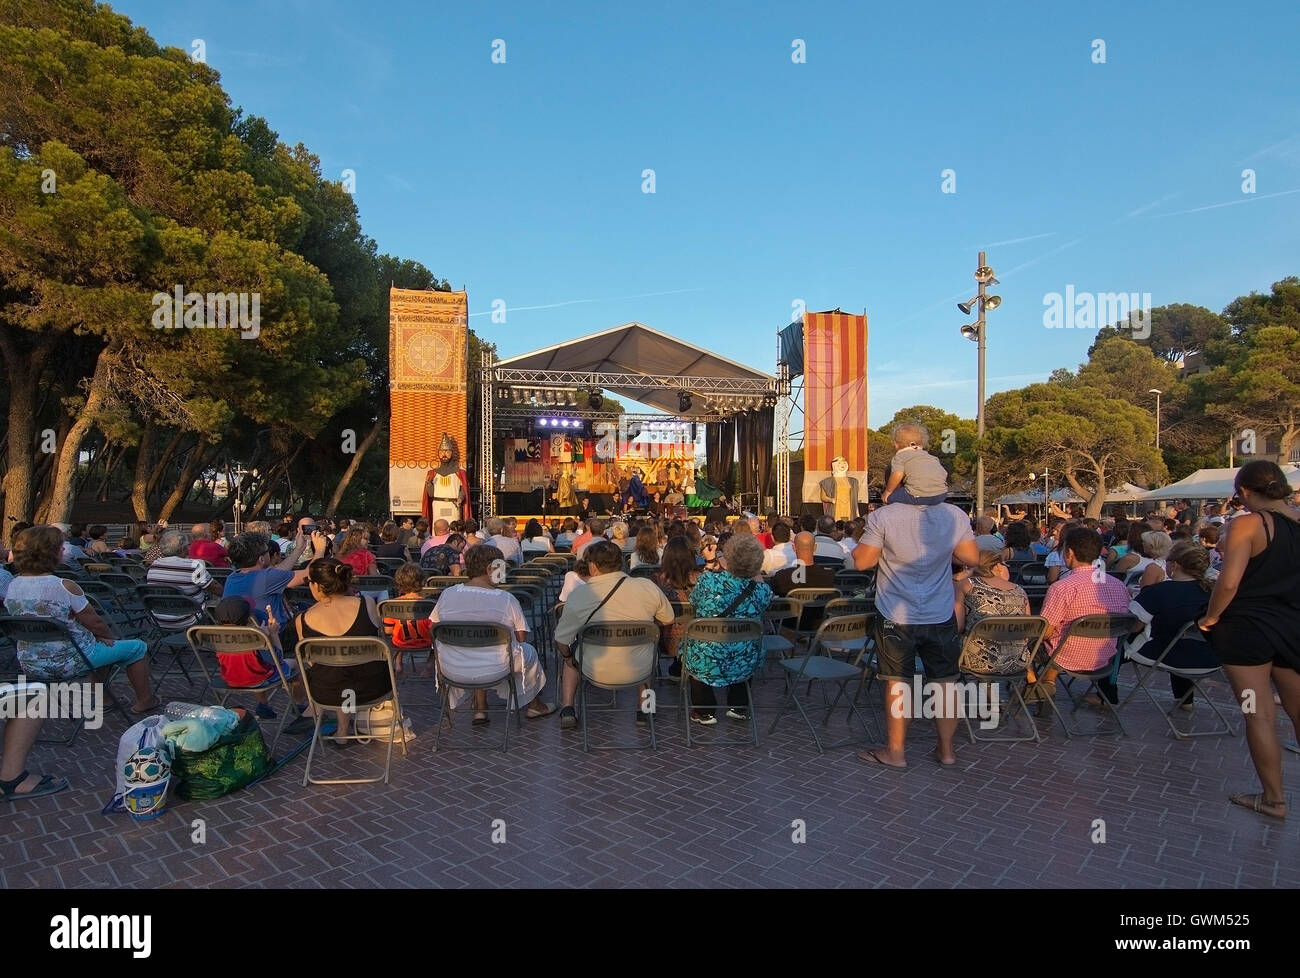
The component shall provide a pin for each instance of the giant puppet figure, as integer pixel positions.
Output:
(446, 488)
(839, 491)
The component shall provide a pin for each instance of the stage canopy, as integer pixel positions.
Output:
(1211, 484)
(637, 349)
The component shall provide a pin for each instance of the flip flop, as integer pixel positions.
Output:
(871, 757)
(550, 708)
(1294, 748)
(1255, 803)
(48, 785)
(153, 708)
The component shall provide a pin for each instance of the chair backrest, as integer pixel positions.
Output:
(389, 565)
(97, 567)
(849, 606)
(406, 609)
(617, 653)
(97, 589)
(146, 590)
(69, 575)
(644, 570)
(1034, 572)
(564, 548)
(826, 561)
(298, 594)
(814, 595)
(229, 640)
(443, 581)
(717, 630)
(781, 610)
(30, 628)
(1008, 629)
(376, 586)
(452, 640)
(344, 651)
(839, 631)
(1098, 626)
(121, 583)
(172, 610)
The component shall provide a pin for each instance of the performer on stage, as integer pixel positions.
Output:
(446, 488)
(565, 495)
(839, 492)
(636, 492)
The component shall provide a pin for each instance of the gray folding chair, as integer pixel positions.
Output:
(1089, 627)
(220, 640)
(617, 655)
(171, 615)
(1026, 630)
(813, 601)
(344, 652)
(30, 628)
(375, 586)
(782, 616)
(407, 610)
(818, 665)
(1188, 632)
(714, 631)
(488, 637)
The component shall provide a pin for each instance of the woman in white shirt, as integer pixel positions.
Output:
(535, 540)
(480, 600)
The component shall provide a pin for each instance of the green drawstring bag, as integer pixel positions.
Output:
(236, 760)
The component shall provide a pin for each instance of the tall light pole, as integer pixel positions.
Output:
(1157, 394)
(975, 332)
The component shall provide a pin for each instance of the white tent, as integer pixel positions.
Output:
(1210, 484)
(1126, 493)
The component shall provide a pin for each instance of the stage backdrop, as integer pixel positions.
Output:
(835, 398)
(428, 335)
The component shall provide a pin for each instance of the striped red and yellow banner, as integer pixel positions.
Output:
(835, 397)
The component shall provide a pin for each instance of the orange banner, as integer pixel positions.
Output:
(835, 398)
(428, 335)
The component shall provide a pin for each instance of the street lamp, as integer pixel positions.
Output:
(1047, 489)
(981, 302)
(1157, 394)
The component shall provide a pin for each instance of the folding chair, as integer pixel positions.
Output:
(781, 615)
(532, 598)
(375, 586)
(388, 565)
(714, 631)
(298, 597)
(344, 652)
(1089, 627)
(407, 609)
(813, 601)
(842, 631)
(1029, 630)
(1032, 578)
(231, 639)
(616, 655)
(171, 615)
(30, 628)
(494, 671)
(219, 573)
(644, 570)
(1194, 676)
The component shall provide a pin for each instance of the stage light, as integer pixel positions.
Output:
(541, 422)
(968, 305)
(595, 400)
(683, 401)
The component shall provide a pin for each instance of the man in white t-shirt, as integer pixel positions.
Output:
(782, 553)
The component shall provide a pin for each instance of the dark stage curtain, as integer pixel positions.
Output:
(754, 437)
(719, 451)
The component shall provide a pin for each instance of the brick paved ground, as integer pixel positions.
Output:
(1008, 815)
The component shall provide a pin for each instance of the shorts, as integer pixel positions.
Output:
(898, 646)
(125, 652)
(901, 495)
(1240, 641)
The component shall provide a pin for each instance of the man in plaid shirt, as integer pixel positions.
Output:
(1085, 590)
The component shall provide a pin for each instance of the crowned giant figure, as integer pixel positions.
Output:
(840, 491)
(446, 488)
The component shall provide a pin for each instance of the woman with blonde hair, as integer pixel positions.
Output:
(354, 553)
(1158, 546)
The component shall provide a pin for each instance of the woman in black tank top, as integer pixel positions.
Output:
(1253, 621)
(329, 580)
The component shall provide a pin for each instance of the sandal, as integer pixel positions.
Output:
(48, 785)
(529, 714)
(481, 720)
(1257, 803)
(153, 707)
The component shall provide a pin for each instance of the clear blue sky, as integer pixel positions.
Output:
(778, 181)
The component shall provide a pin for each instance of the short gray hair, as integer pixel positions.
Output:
(744, 555)
(172, 543)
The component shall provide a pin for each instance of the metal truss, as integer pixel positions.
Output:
(577, 378)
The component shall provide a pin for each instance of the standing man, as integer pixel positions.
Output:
(446, 488)
(914, 548)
